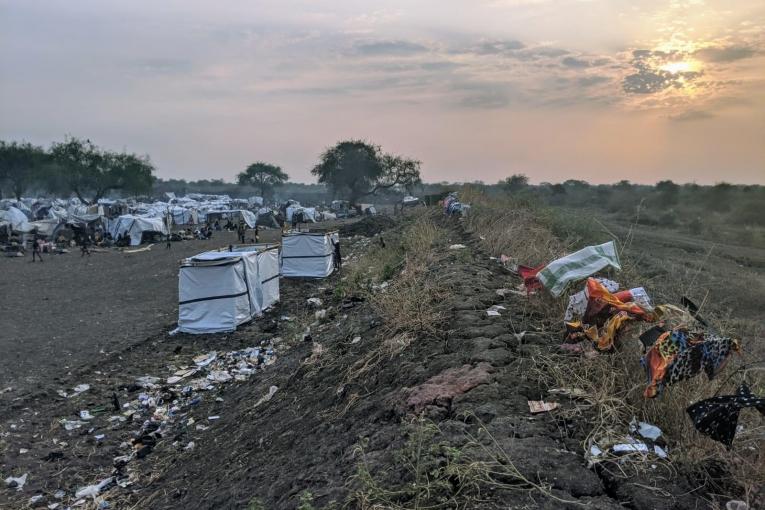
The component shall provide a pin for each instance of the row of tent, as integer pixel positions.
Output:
(219, 290)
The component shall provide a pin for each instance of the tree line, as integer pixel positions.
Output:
(73, 166)
(351, 169)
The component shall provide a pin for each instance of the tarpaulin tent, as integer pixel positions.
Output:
(136, 226)
(308, 213)
(308, 254)
(18, 220)
(219, 290)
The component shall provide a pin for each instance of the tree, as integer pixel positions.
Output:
(263, 176)
(515, 183)
(354, 168)
(668, 191)
(90, 170)
(21, 165)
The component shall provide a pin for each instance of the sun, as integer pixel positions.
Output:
(685, 66)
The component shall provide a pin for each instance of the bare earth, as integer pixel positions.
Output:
(71, 310)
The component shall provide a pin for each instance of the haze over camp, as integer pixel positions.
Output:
(500, 254)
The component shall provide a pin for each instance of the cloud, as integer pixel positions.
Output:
(692, 115)
(650, 78)
(725, 54)
(498, 47)
(576, 63)
(389, 48)
(589, 81)
(482, 94)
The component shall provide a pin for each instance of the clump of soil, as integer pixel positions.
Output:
(369, 226)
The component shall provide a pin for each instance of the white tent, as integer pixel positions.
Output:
(308, 254)
(18, 220)
(135, 226)
(219, 290)
(309, 213)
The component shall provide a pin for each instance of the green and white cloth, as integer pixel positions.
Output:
(579, 265)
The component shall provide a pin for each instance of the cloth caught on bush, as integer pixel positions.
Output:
(579, 265)
(605, 315)
(577, 303)
(680, 354)
(717, 417)
(529, 275)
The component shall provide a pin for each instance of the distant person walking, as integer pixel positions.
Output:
(257, 234)
(337, 259)
(168, 245)
(85, 246)
(36, 250)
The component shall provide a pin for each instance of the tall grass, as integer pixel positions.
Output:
(614, 383)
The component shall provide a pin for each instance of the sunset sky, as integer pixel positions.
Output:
(475, 89)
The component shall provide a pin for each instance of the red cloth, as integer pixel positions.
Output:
(529, 275)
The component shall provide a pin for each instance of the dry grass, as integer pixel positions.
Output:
(613, 384)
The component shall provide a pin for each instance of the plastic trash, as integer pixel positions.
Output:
(16, 482)
(91, 491)
(268, 396)
(320, 314)
(577, 266)
(315, 302)
(457, 246)
(72, 424)
(540, 406)
(85, 415)
(646, 430)
(205, 359)
(494, 310)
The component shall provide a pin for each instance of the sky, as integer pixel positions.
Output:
(475, 89)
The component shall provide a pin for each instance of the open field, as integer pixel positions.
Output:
(401, 397)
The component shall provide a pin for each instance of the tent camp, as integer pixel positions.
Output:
(219, 290)
(136, 226)
(308, 254)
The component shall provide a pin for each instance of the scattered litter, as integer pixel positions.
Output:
(16, 482)
(595, 451)
(190, 446)
(315, 301)
(540, 406)
(100, 437)
(36, 499)
(457, 246)
(506, 292)
(631, 447)
(320, 314)
(268, 396)
(735, 504)
(213, 418)
(219, 376)
(91, 491)
(658, 450)
(22, 451)
(85, 415)
(147, 381)
(646, 430)
(577, 266)
(205, 359)
(72, 424)
(356, 339)
(59, 494)
(493, 311)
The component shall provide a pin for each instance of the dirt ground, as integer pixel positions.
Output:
(234, 446)
(70, 310)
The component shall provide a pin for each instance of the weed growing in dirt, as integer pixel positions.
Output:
(431, 472)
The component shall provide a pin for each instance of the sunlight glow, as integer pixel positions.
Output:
(685, 66)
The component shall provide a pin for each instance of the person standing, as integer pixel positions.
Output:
(168, 246)
(36, 250)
